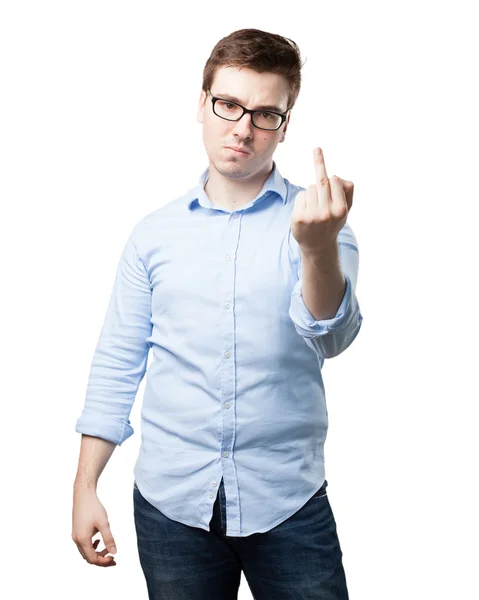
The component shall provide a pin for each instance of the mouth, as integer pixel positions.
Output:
(238, 152)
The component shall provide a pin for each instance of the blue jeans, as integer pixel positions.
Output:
(299, 559)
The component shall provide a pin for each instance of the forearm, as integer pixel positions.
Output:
(323, 282)
(95, 452)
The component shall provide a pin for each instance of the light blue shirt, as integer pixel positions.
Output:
(234, 388)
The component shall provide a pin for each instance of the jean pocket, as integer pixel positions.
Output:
(322, 491)
(135, 487)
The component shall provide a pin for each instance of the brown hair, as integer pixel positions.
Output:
(260, 51)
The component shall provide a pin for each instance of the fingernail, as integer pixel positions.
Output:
(113, 550)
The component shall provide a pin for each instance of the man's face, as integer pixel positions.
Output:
(253, 90)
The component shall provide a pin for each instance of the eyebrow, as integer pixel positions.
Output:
(238, 101)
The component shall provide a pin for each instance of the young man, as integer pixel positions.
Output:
(242, 288)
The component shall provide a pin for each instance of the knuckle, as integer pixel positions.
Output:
(323, 181)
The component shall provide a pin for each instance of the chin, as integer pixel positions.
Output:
(231, 169)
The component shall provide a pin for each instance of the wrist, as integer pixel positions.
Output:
(85, 483)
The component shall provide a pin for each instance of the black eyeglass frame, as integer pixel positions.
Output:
(249, 111)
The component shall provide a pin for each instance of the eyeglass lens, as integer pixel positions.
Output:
(232, 112)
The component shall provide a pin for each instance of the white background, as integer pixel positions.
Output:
(98, 128)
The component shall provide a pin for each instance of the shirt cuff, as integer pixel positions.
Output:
(308, 326)
(98, 425)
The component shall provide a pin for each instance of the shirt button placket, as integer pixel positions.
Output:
(228, 377)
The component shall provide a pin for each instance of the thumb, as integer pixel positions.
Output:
(300, 205)
(108, 539)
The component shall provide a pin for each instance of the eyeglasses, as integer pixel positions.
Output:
(262, 119)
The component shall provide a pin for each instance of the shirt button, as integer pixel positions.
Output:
(228, 257)
(227, 304)
(227, 354)
(226, 453)
(227, 404)
(235, 215)
(213, 483)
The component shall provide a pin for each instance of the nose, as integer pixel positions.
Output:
(244, 126)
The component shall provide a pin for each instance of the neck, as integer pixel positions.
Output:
(234, 193)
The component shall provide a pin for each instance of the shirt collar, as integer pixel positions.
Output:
(275, 183)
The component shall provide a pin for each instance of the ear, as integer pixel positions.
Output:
(201, 106)
(286, 123)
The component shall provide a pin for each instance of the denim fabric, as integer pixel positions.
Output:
(300, 559)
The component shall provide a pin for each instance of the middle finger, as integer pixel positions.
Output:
(322, 181)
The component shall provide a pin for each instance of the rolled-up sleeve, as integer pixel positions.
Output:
(121, 354)
(330, 337)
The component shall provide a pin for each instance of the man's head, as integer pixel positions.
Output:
(256, 69)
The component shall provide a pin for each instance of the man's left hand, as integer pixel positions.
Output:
(320, 211)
